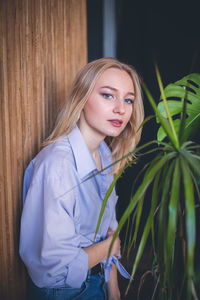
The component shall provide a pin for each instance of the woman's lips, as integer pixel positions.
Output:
(116, 122)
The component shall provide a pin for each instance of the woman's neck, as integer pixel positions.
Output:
(93, 145)
(93, 140)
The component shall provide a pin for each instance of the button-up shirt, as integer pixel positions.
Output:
(61, 209)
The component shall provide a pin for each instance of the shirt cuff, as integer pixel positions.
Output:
(107, 265)
(77, 270)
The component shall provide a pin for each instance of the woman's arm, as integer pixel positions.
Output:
(99, 251)
(112, 286)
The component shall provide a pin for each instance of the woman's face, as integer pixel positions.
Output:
(109, 107)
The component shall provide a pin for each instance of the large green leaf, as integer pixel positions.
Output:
(164, 122)
(189, 88)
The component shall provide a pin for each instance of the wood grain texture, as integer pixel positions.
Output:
(42, 46)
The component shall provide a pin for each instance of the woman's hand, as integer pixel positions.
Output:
(117, 243)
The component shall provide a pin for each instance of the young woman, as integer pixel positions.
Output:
(63, 196)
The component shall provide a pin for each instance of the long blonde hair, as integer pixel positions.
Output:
(80, 91)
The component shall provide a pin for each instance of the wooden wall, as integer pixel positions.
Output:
(42, 45)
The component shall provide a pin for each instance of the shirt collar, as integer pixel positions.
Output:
(82, 155)
(85, 163)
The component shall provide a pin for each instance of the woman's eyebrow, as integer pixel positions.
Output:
(114, 89)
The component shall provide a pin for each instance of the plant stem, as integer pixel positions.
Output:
(165, 103)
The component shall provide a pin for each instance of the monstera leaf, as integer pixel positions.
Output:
(187, 88)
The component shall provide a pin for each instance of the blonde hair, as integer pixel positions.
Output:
(80, 91)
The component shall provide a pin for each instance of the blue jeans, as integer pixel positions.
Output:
(93, 288)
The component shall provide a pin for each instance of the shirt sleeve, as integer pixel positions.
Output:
(114, 223)
(49, 241)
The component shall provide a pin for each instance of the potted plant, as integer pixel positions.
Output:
(172, 178)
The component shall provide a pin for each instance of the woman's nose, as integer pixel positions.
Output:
(119, 107)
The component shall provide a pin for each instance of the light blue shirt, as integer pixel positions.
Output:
(61, 210)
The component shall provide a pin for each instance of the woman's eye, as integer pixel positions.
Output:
(128, 100)
(107, 96)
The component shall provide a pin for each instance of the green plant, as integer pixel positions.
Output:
(172, 178)
(175, 92)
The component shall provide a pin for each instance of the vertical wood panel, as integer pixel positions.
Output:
(42, 45)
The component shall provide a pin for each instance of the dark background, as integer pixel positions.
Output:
(165, 32)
